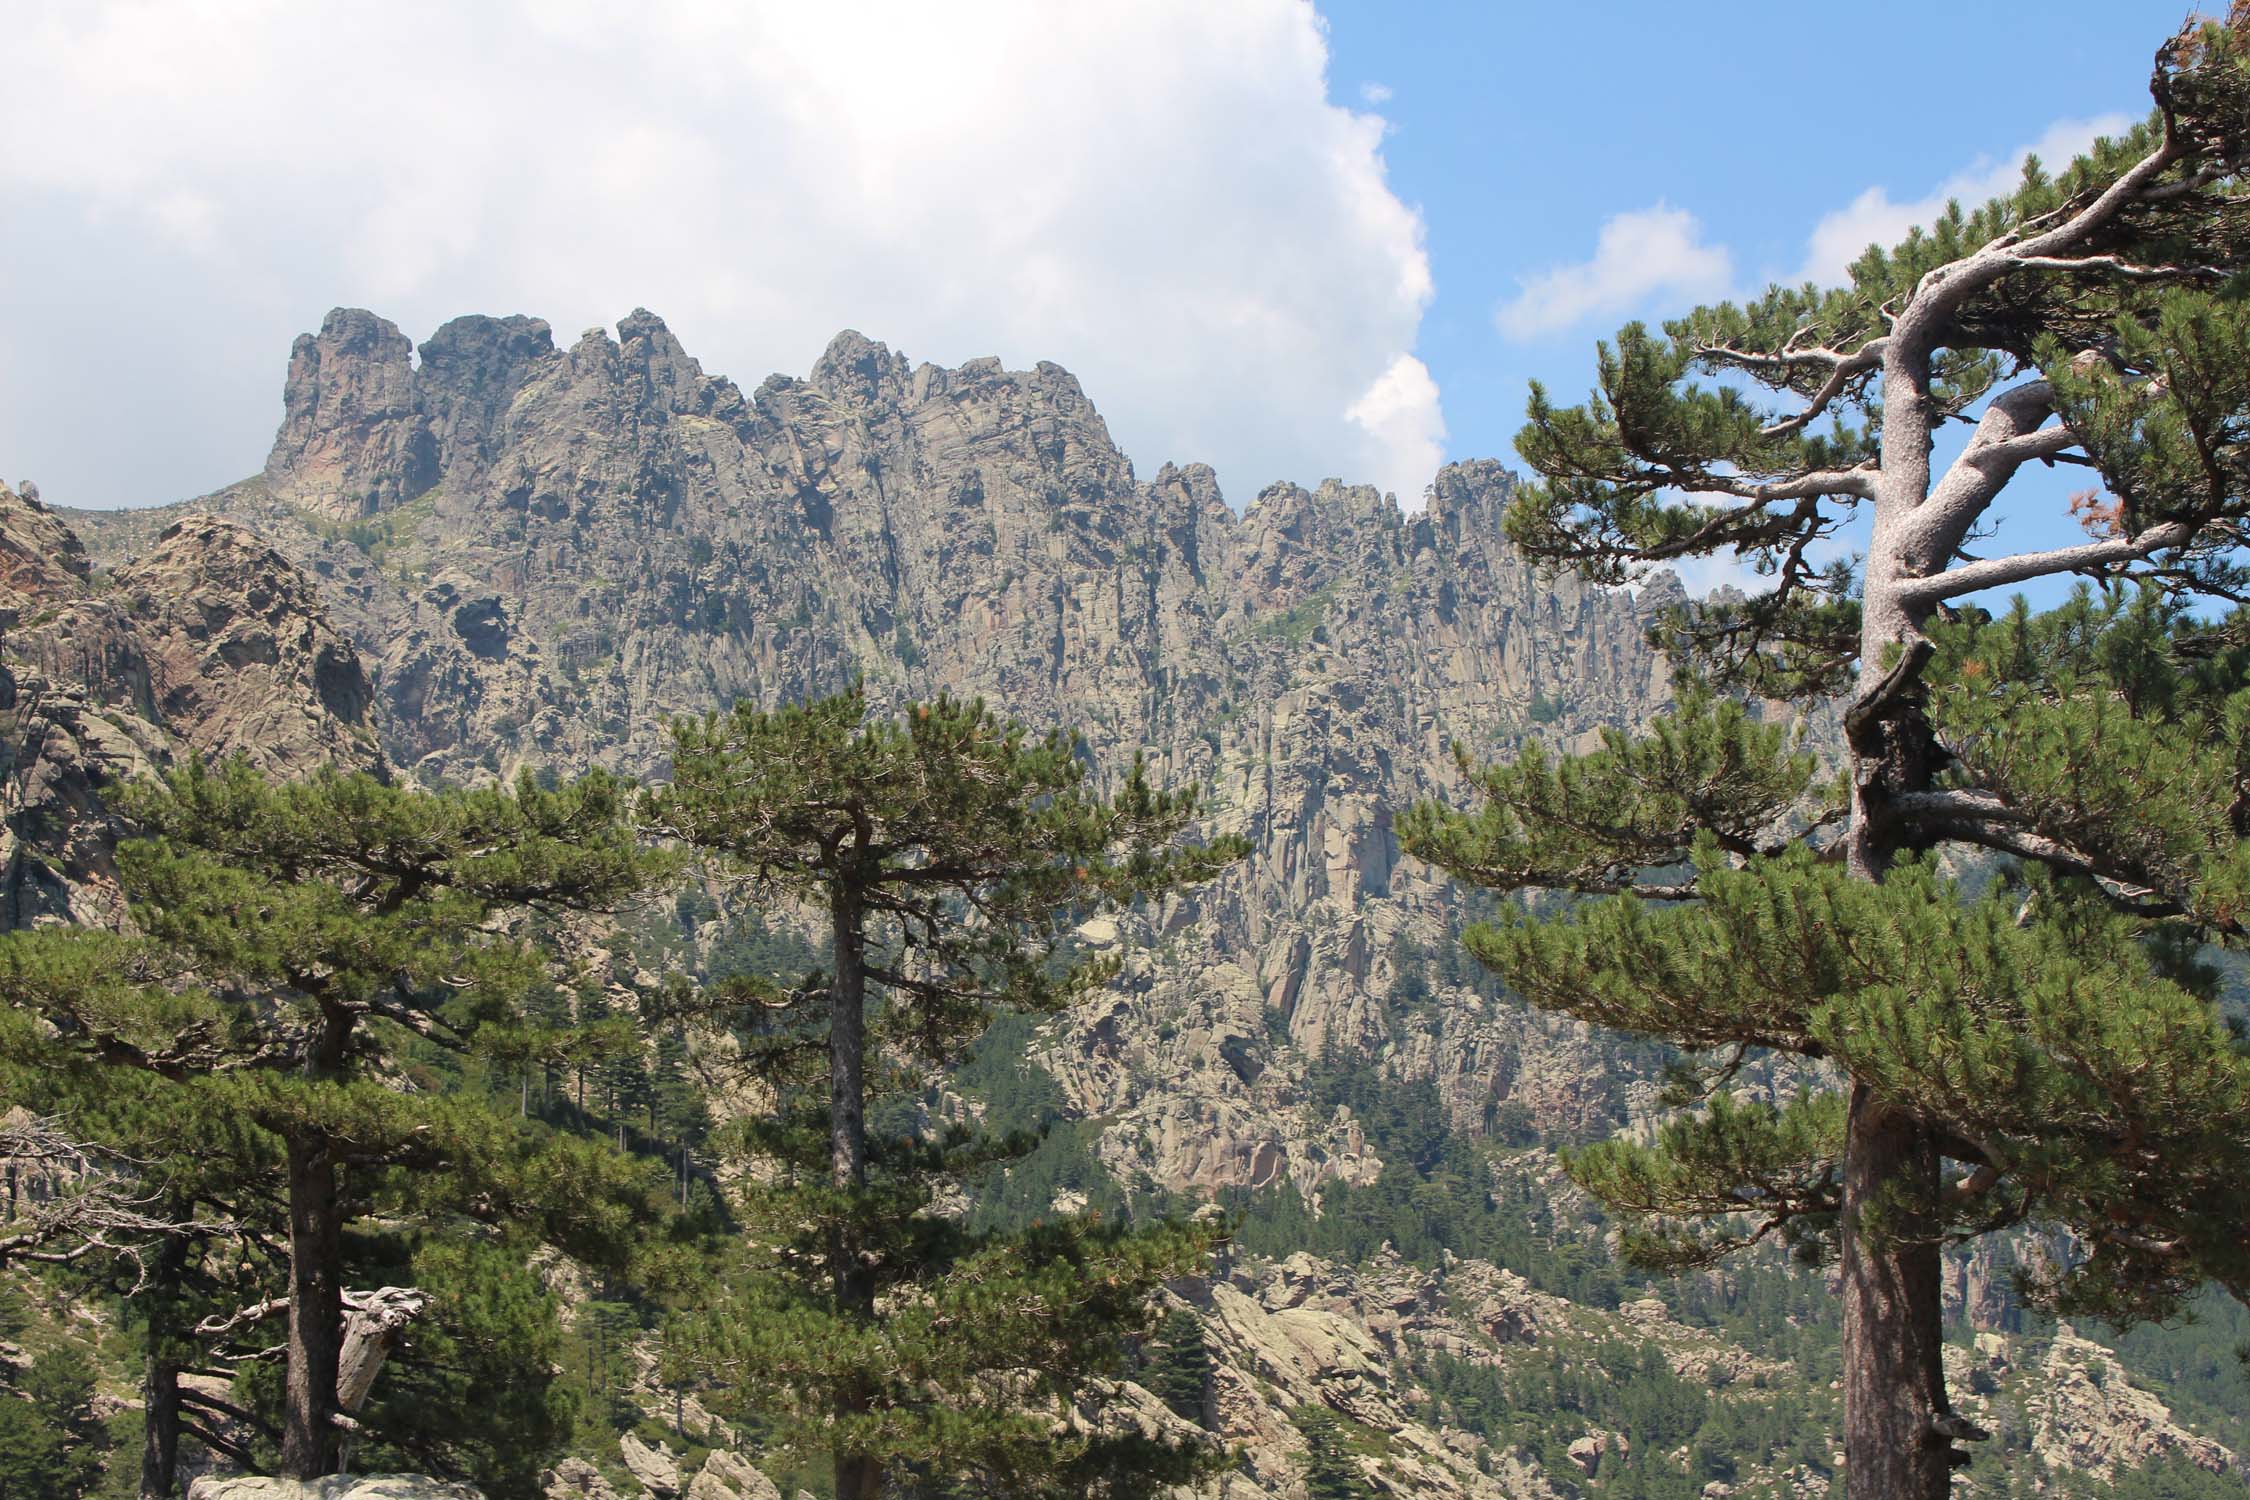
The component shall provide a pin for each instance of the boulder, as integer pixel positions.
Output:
(656, 1468)
(727, 1476)
(575, 1479)
(334, 1487)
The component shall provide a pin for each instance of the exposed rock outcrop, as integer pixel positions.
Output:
(727, 1477)
(2088, 1417)
(240, 658)
(351, 438)
(211, 644)
(334, 1487)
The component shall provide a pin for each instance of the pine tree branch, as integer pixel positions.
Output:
(2009, 435)
(2007, 831)
(1819, 484)
(423, 1025)
(1843, 367)
(99, 1215)
(192, 1397)
(218, 1324)
(1978, 1184)
(2118, 266)
(1944, 289)
(1998, 572)
(1957, 803)
(2141, 1244)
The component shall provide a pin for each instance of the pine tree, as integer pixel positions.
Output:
(2046, 1052)
(168, 1216)
(299, 943)
(949, 857)
(60, 1387)
(51, 1443)
(1177, 1367)
(34, 1453)
(1330, 1473)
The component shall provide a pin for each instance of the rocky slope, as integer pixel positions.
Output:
(208, 644)
(1415, 1365)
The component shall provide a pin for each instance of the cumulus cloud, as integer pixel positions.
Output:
(1874, 219)
(1636, 256)
(1159, 194)
(1402, 420)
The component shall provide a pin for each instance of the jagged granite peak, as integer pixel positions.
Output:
(855, 367)
(470, 373)
(352, 440)
(619, 537)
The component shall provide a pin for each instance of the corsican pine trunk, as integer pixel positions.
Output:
(858, 1477)
(1894, 1380)
(309, 1435)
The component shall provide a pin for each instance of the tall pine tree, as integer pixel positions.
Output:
(298, 943)
(2045, 1053)
(948, 857)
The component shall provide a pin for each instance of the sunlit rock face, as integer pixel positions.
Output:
(544, 551)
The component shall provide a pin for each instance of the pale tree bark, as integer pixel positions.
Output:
(373, 1324)
(1899, 1425)
(1894, 1382)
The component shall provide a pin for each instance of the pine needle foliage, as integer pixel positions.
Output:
(950, 857)
(2040, 1050)
(300, 948)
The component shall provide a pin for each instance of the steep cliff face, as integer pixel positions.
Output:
(211, 644)
(350, 442)
(544, 552)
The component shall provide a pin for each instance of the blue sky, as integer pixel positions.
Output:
(1519, 129)
(1293, 242)
(1620, 109)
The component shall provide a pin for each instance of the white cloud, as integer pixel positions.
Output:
(1873, 219)
(1703, 576)
(1377, 94)
(1636, 256)
(1158, 194)
(1405, 429)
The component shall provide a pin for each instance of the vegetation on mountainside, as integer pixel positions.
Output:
(367, 1053)
(2048, 1053)
(348, 1048)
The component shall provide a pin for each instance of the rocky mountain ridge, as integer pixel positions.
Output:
(542, 553)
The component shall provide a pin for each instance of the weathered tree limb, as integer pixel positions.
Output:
(1999, 572)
